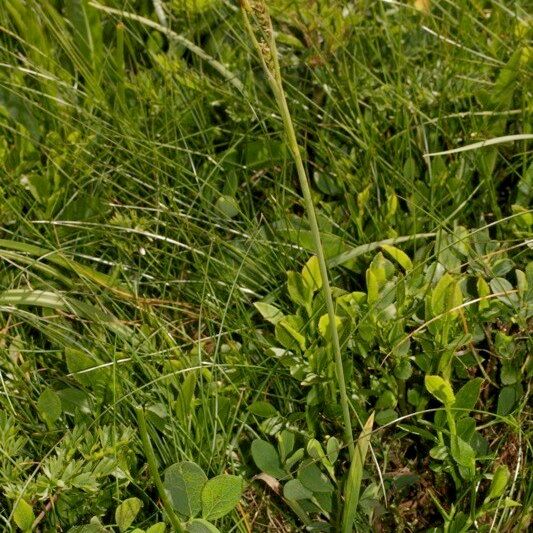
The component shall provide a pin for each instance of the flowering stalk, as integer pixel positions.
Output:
(259, 26)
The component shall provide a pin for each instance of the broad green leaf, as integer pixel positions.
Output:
(269, 312)
(332, 449)
(467, 396)
(315, 451)
(220, 495)
(387, 400)
(385, 417)
(199, 525)
(227, 206)
(49, 406)
(333, 244)
(262, 409)
(23, 515)
(300, 291)
(311, 274)
(504, 290)
(372, 287)
(454, 298)
(463, 455)
(399, 256)
(88, 528)
(85, 368)
(296, 457)
(439, 295)
(466, 427)
(294, 490)
(506, 400)
(288, 332)
(441, 389)
(509, 373)
(267, 459)
(324, 328)
(126, 513)
(403, 369)
(382, 268)
(184, 483)
(483, 290)
(313, 479)
(286, 443)
(160, 527)
(352, 488)
(440, 453)
(499, 482)
(74, 400)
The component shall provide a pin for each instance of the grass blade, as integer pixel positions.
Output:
(154, 471)
(355, 475)
(482, 144)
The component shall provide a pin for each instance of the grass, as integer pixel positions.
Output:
(148, 198)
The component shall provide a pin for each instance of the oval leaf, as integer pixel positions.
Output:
(441, 389)
(23, 515)
(269, 312)
(467, 396)
(184, 483)
(267, 459)
(311, 273)
(220, 495)
(399, 256)
(300, 292)
(49, 406)
(499, 482)
(294, 490)
(160, 527)
(313, 479)
(199, 525)
(262, 409)
(126, 512)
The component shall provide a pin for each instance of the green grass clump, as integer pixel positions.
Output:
(161, 304)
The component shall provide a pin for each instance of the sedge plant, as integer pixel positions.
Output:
(259, 26)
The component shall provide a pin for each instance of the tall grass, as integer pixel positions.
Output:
(146, 201)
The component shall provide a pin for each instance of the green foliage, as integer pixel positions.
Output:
(154, 251)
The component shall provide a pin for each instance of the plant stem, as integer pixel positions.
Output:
(152, 466)
(269, 59)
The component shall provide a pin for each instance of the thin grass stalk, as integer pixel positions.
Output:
(352, 488)
(256, 10)
(154, 473)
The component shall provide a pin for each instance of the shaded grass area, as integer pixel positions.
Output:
(147, 201)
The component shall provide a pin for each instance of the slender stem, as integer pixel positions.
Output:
(269, 60)
(152, 466)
